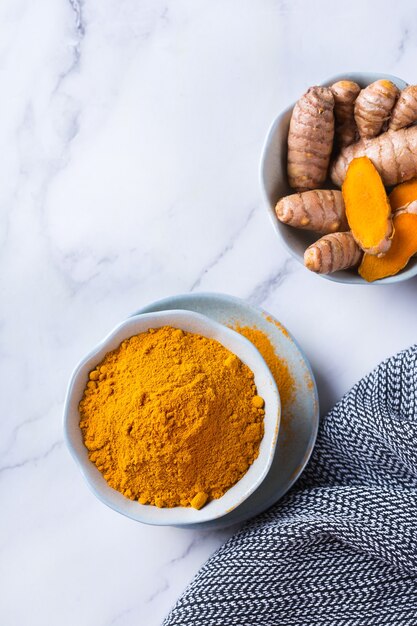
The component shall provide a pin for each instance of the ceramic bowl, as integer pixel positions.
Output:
(273, 175)
(233, 341)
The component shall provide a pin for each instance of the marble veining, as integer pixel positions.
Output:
(131, 135)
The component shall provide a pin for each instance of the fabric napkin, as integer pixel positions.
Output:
(341, 548)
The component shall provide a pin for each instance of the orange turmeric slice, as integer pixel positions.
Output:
(403, 194)
(367, 208)
(404, 246)
(410, 207)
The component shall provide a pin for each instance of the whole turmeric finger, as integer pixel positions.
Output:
(405, 111)
(403, 194)
(320, 210)
(404, 246)
(345, 93)
(373, 107)
(310, 139)
(393, 153)
(333, 252)
(367, 208)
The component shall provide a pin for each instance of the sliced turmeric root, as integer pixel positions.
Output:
(403, 194)
(410, 207)
(367, 208)
(404, 246)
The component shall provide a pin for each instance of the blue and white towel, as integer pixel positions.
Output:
(341, 548)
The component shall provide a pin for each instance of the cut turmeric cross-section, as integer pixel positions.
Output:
(403, 194)
(404, 246)
(367, 208)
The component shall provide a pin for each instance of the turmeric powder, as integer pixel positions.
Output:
(277, 365)
(171, 418)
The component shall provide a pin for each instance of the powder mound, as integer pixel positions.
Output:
(169, 418)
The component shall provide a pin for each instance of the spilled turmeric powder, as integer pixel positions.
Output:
(277, 365)
(171, 418)
(279, 369)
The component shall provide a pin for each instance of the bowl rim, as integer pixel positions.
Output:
(366, 77)
(175, 515)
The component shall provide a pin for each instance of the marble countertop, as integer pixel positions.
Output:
(131, 135)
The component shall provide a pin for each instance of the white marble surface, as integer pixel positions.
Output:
(131, 133)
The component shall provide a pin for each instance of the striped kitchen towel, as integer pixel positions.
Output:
(341, 548)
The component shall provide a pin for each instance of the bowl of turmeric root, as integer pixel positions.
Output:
(339, 174)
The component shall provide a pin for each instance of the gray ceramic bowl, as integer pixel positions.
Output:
(273, 174)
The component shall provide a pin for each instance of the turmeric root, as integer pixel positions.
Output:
(345, 93)
(373, 107)
(405, 111)
(403, 194)
(404, 246)
(393, 153)
(333, 252)
(410, 207)
(310, 139)
(321, 210)
(367, 208)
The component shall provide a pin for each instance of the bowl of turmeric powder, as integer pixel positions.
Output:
(173, 418)
(339, 177)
